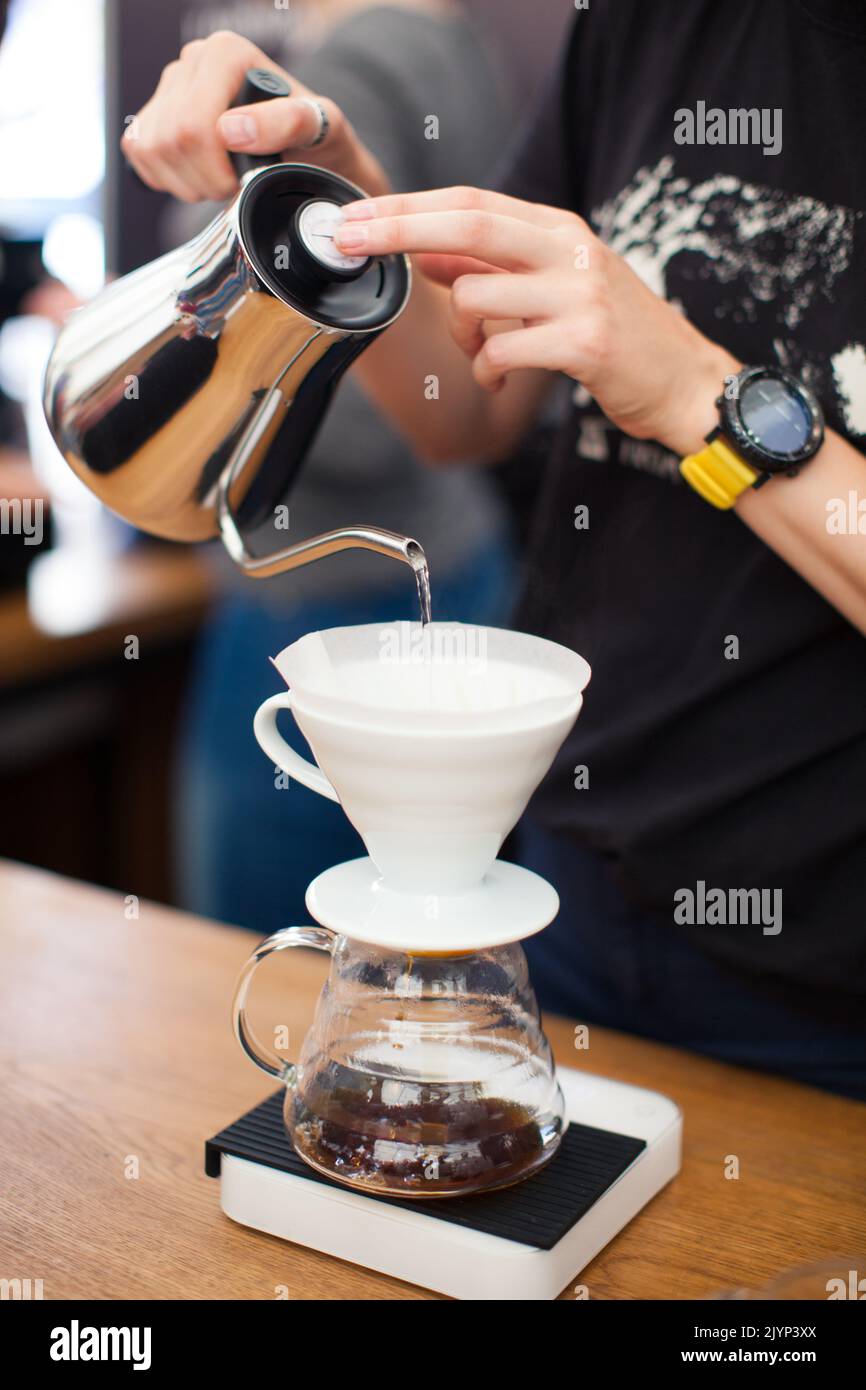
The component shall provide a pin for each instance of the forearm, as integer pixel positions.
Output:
(791, 515)
(652, 372)
(423, 383)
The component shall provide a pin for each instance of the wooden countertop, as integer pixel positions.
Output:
(116, 1052)
(156, 592)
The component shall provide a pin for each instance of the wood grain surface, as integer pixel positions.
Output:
(117, 1058)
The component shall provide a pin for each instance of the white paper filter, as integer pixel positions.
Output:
(450, 676)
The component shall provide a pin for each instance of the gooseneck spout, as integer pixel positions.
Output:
(302, 552)
(317, 547)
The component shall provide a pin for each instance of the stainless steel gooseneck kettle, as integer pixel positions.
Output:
(187, 394)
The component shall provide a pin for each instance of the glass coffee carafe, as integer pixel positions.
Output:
(423, 1075)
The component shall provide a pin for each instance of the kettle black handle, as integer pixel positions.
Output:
(260, 84)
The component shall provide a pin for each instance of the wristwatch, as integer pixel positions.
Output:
(769, 423)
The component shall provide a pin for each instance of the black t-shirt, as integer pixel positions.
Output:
(748, 772)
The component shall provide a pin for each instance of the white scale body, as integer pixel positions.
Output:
(467, 1264)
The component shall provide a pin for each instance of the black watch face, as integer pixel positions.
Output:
(777, 418)
(777, 423)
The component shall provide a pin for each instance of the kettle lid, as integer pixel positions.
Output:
(284, 214)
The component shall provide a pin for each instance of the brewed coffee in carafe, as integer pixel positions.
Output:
(429, 1146)
(423, 1075)
(452, 1089)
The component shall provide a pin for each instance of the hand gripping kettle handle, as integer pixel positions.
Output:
(260, 84)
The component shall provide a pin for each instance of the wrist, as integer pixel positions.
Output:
(695, 413)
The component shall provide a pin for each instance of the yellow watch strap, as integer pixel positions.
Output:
(718, 474)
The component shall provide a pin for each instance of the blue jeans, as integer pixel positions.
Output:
(601, 961)
(245, 849)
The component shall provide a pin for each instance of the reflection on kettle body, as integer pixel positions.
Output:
(187, 394)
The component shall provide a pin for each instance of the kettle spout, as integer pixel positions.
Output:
(375, 538)
(317, 547)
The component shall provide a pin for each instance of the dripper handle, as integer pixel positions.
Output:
(260, 84)
(321, 939)
(271, 741)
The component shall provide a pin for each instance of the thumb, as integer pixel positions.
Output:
(269, 127)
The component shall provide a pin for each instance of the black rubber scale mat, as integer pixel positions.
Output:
(537, 1212)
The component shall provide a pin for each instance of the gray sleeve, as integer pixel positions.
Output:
(390, 70)
(377, 111)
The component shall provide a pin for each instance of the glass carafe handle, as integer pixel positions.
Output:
(318, 937)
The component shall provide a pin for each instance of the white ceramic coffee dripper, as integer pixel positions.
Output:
(432, 740)
(426, 1072)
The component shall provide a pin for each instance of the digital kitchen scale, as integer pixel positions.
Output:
(527, 1242)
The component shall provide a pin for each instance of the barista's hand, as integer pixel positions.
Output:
(580, 308)
(179, 140)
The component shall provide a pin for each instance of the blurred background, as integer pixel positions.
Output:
(130, 668)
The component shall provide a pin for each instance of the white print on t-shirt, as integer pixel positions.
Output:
(849, 370)
(765, 243)
(775, 260)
